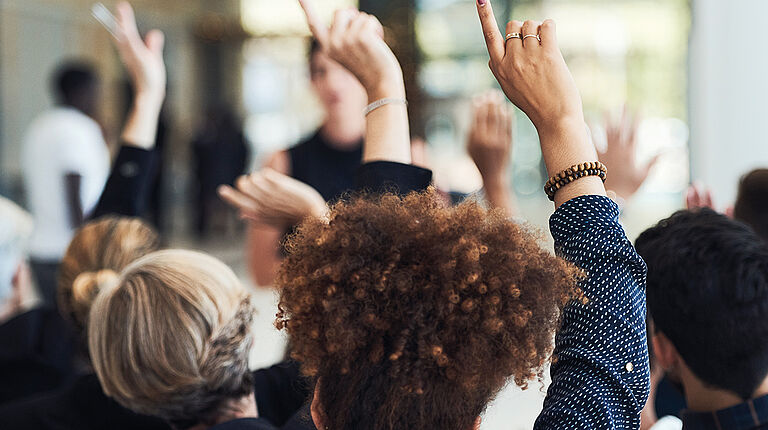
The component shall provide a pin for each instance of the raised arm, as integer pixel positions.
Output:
(600, 376)
(127, 188)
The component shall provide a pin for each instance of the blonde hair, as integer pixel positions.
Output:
(98, 251)
(171, 337)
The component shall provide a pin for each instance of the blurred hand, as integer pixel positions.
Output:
(142, 58)
(698, 197)
(356, 41)
(271, 198)
(490, 136)
(625, 174)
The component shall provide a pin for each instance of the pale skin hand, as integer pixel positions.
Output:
(625, 174)
(698, 197)
(143, 59)
(490, 144)
(355, 40)
(536, 79)
(271, 198)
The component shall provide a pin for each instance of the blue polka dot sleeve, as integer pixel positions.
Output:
(600, 375)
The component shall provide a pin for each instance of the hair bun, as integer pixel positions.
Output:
(87, 285)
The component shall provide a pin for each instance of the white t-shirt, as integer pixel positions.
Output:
(61, 141)
(668, 423)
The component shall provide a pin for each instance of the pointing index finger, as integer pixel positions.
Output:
(493, 37)
(316, 26)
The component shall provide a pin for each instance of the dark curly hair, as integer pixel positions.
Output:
(414, 315)
(708, 293)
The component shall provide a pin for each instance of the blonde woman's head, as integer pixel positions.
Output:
(99, 250)
(171, 337)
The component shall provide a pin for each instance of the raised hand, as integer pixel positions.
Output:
(271, 198)
(620, 156)
(534, 76)
(490, 144)
(698, 197)
(490, 136)
(142, 58)
(355, 40)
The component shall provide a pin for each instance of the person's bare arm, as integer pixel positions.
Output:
(72, 183)
(490, 144)
(262, 249)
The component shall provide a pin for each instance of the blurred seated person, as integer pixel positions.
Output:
(751, 205)
(707, 298)
(65, 163)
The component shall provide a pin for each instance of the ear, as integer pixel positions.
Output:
(316, 409)
(665, 352)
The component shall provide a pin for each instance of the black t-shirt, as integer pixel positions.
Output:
(329, 170)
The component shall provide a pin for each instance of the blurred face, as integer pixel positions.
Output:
(338, 90)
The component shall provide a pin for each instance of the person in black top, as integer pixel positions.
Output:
(326, 161)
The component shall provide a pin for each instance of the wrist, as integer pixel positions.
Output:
(393, 88)
(149, 100)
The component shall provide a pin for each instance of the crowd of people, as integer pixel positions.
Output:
(406, 306)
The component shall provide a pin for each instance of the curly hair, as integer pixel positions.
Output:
(171, 337)
(414, 315)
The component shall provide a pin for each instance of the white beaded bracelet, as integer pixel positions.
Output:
(379, 103)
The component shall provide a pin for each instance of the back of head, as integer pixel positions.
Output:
(414, 315)
(171, 338)
(752, 202)
(75, 85)
(98, 251)
(708, 293)
(15, 229)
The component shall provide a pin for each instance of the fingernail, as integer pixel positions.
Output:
(482, 2)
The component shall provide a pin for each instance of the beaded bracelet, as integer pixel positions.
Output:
(573, 173)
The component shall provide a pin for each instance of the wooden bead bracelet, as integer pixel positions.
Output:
(573, 173)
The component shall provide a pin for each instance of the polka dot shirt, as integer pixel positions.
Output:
(600, 377)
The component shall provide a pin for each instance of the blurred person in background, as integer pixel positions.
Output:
(15, 229)
(220, 156)
(326, 161)
(65, 163)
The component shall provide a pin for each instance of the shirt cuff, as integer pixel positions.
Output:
(387, 176)
(582, 213)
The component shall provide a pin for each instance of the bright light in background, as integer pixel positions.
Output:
(284, 17)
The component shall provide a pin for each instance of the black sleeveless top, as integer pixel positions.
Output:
(329, 170)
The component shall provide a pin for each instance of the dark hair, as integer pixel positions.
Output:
(412, 314)
(752, 203)
(74, 81)
(708, 293)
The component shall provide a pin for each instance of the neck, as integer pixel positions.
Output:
(343, 133)
(704, 398)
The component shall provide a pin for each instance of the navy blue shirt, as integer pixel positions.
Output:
(601, 377)
(750, 415)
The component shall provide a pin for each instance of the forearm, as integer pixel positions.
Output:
(387, 135)
(565, 143)
(499, 194)
(141, 127)
(128, 186)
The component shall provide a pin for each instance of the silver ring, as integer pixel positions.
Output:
(513, 36)
(532, 35)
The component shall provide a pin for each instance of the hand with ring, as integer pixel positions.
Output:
(533, 74)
